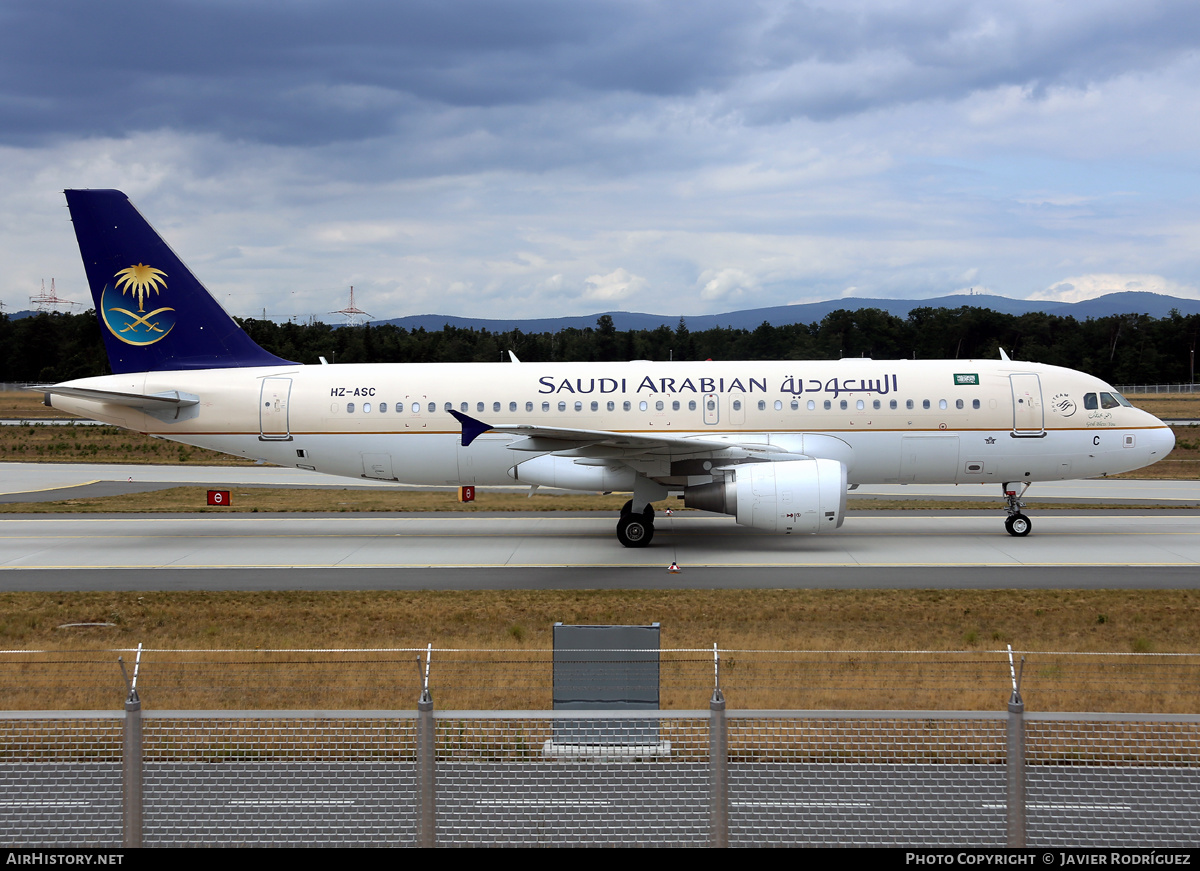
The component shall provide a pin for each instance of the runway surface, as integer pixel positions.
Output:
(1131, 549)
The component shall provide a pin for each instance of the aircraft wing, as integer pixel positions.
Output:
(605, 444)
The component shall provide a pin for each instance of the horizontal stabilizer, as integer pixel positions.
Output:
(168, 405)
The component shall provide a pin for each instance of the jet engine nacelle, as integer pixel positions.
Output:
(793, 496)
(550, 471)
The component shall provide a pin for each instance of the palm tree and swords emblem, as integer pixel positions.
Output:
(139, 281)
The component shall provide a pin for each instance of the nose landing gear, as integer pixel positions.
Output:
(1017, 523)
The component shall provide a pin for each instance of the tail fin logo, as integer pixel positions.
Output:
(140, 327)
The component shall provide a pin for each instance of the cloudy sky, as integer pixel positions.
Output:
(561, 157)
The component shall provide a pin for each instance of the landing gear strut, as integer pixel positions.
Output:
(1017, 523)
(635, 530)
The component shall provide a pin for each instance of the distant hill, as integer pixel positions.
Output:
(1156, 305)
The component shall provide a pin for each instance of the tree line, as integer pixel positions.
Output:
(1120, 348)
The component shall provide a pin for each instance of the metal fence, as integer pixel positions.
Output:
(690, 778)
(715, 777)
(1184, 387)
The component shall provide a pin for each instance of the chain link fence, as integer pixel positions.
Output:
(674, 776)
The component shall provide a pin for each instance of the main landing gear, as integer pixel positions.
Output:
(635, 530)
(1017, 523)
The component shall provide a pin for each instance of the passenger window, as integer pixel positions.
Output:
(843, 405)
(495, 406)
(350, 407)
(674, 405)
(545, 406)
(512, 406)
(712, 405)
(828, 405)
(612, 406)
(432, 407)
(691, 405)
(479, 407)
(562, 406)
(958, 403)
(860, 405)
(1089, 402)
(779, 405)
(578, 405)
(737, 405)
(892, 405)
(974, 403)
(924, 403)
(529, 406)
(795, 405)
(875, 405)
(595, 405)
(383, 408)
(366, 408)
(762, 405)
(942, 404)
(463, 408)
(811, 405)
(642, 406)
(626, 406)
(448, 406)
(658, 406)
(908, 403)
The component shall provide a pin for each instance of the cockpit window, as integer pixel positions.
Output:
(1121, 399)
(1107, 400)
(1089, 402)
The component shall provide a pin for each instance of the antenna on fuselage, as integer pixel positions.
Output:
(1004, 356)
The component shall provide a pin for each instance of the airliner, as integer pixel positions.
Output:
(775, 444)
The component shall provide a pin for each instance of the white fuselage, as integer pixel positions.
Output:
(960, 421)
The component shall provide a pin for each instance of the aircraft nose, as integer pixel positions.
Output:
(1167, 436)
(1162, 442)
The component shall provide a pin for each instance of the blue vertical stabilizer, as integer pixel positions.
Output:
(154, 314)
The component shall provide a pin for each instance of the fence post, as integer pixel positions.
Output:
(131, 759)
(426, 746)
(1015, 758)
(718, 762)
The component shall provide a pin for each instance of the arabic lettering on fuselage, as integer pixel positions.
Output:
(792, 385)
(797, 386)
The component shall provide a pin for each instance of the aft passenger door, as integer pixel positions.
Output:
(273, 410)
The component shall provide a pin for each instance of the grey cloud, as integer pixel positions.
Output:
(321, 72)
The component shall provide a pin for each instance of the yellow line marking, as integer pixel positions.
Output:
(48, 489)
